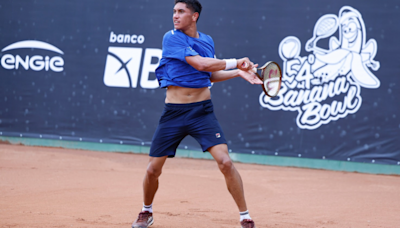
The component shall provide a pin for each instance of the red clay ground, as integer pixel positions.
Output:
(54, 187)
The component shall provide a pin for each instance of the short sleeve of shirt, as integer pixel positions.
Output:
(176, 46)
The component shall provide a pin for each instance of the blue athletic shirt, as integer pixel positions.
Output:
(173, 68)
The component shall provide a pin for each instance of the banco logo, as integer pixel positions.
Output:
(35, 62)
(325, 86)
(123, 64)
(126, 38)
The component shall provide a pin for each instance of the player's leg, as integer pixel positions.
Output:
(233, 182)
(232, 176)
(150, 186)
(166, 139)
(150, 181)
(204, 127)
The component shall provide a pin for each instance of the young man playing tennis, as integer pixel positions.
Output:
(186, 69)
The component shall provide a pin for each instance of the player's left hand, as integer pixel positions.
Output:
(250, 76)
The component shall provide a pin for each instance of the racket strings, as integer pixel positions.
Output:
(272, 80)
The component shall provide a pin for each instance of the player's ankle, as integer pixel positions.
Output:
(244, 215)
(148, 208)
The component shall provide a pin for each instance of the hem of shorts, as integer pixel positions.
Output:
(168, 155)
(214, 145)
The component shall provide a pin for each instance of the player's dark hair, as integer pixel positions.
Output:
(193, 5)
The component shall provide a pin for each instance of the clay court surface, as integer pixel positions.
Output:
(55, 187)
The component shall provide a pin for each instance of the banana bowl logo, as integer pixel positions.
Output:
(325, 85)
(35, 62)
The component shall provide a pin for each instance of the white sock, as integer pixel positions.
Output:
(148, 208)
(244, 215)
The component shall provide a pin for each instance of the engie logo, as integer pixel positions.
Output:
(326, 85)
(35, 62)
(123, 63)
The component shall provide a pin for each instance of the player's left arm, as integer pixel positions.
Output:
(223, 75)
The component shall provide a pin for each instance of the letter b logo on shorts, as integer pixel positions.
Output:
(122, 67)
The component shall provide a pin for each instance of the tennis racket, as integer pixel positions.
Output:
(325, 26)
(271, 75)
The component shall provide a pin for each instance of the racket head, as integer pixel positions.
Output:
(271, 75)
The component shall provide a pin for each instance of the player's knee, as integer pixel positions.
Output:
(153, 172)
(226, 166)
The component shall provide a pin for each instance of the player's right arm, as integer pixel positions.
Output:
(212, 65)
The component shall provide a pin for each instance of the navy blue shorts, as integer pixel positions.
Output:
(180, 120)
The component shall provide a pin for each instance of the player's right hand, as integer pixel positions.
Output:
(244, 64)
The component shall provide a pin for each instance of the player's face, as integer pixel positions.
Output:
(182, 17)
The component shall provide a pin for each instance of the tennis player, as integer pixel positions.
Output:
(186, 69)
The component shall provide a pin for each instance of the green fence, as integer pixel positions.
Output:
(237, 157)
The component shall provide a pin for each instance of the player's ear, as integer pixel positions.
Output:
(195, 16)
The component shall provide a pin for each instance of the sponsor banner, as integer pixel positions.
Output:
(84, 71)
(36, 62)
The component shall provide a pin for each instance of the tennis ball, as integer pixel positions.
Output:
(290, 47)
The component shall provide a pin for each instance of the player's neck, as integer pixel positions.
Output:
(191, 31)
